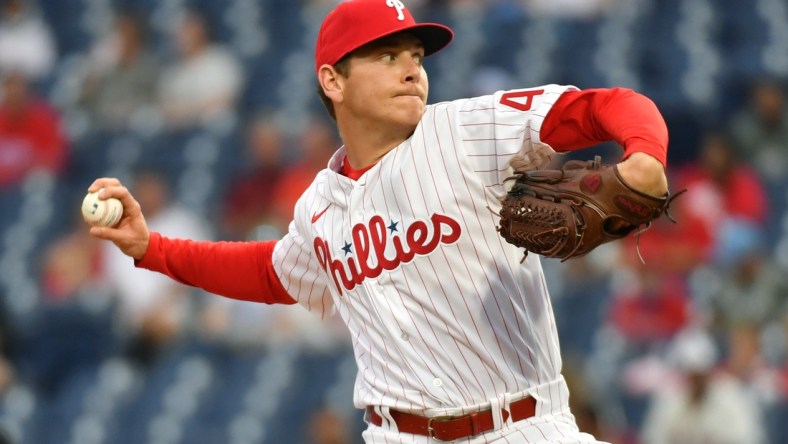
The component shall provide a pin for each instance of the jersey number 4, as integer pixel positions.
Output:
(520, 100)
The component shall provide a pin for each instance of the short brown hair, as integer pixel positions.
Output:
(343, 68)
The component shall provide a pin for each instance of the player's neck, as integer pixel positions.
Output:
(348, 171)
(366, 145)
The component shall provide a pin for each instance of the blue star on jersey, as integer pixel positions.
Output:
(347, 248)
(393, 226)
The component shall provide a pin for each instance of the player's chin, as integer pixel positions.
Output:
(410, 110)
(410, 121)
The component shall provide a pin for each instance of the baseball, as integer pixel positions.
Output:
(101, 213)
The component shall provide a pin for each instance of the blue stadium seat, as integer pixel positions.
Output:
(743, 35)
(235, 373)
(504, 29)
(57, 412)
(64, 19)
(314, 373)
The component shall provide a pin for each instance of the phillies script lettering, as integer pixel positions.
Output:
(370, 241)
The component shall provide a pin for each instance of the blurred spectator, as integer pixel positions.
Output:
(732, 188)
(154, 310)
(249, 202)
(778, 424)
(205, 80)
(701, 406)
(72, 329)
(745, 361)
(648, 309)
(674, 248)
(267, 195)
(122, 76)
(10, 348)
(723, 200)
(587, 410)
(729, 197)
(651, 308)
(328, 427)
(26, 44)
(753, 291)
(30, 133)
(761, 130)
(316, 142)
(7, 378)
(71, 264)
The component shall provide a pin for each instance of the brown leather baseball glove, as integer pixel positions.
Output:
(568, 212)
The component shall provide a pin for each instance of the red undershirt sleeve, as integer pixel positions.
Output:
(237, 270)
(580, 119)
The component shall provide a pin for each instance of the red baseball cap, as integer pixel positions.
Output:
(354, 23)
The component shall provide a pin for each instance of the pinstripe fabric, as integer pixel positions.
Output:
(442, 314)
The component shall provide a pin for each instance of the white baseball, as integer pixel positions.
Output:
(102, 213)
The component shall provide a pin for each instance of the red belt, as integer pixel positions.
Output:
(450, 428)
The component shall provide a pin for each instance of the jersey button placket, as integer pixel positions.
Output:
(356, 206)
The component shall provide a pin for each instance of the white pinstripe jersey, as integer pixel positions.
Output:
(441, 312)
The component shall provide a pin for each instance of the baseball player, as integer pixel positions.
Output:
(454, 336)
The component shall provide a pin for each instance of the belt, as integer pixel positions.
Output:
(450, 428)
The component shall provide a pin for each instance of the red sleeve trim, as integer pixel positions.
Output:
(237, 270)
(580, 119)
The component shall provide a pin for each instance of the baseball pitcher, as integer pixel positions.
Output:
(401, 233)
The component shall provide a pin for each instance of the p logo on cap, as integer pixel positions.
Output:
(399, 6)
(354, 23)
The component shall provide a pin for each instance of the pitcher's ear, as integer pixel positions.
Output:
(331, 81)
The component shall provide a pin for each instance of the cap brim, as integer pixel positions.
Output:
(433, 36)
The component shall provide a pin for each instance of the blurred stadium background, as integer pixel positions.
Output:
(211, 117)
